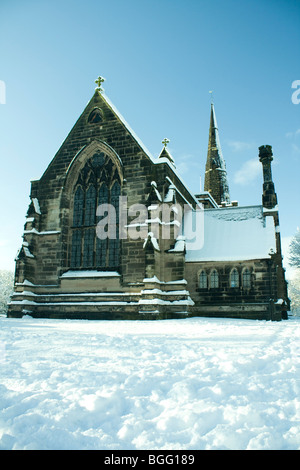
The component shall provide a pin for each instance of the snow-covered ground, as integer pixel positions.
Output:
(175, 384)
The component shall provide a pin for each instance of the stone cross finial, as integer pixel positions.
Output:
(99, 82)
(165, 142)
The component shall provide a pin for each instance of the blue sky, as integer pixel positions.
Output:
(160, 59)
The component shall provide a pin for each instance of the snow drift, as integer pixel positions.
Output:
(175, 384)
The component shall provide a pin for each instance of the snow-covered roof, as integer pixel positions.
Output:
(229, 234)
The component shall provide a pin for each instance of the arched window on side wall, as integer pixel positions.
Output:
(214, 279)
(203, 280)
(234, 278)
(246, 278)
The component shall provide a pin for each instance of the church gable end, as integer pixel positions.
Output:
(105, 233)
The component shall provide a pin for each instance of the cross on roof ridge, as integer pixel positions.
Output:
(99, 82)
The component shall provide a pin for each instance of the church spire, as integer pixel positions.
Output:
(215, 171)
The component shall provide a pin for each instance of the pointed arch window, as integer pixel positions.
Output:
(214, 279)
(234, 278)
(203, 280)
(246, 278)
(95, 116)
(98, 183)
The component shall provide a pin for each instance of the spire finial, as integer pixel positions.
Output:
(165, 142)
(211, 97)
(99, 82)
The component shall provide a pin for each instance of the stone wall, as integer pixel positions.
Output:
(240, 302)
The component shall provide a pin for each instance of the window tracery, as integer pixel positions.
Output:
(98, 183)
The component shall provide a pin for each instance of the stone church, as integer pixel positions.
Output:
(113, 233)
